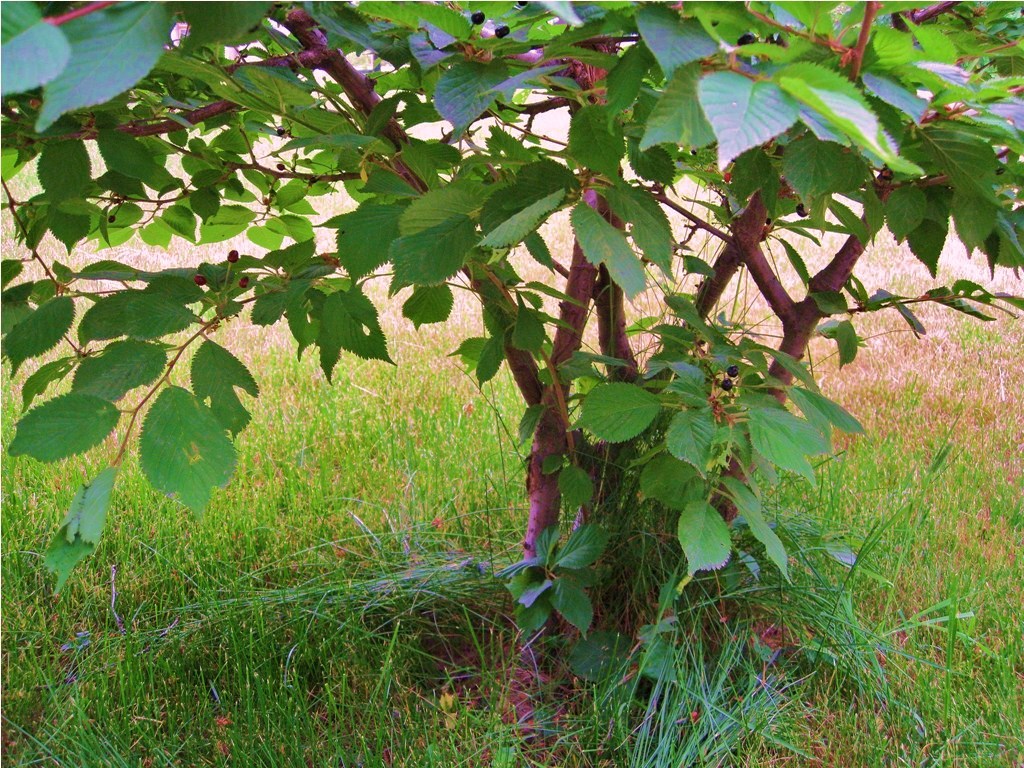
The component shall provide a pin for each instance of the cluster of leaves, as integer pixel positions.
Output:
(812, 110)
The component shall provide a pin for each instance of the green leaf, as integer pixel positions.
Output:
(438, 206)
(895, 95)
(429, 304)
(604, 244)
(528, 332)
(617, 412)
(678, 118)
(432, 256)
(183, 449)
(564, 10)
(110, 51)
(216, 374)
(817, 168)
(33, 52)
(824, 413)
(837, 102)
(121, 367)
(670, 481)
(626, 77)
(743, 113)
(750, 507)
(785, 440)
(64, 169)
(975, 218)
(88, 511)
(966, 157)
(648, 224)
(674, 41)
(586, 543)
(11, 268)
(80, 532)
(68, 229)
(927, 241)
(596, 140)
(181, 221)
(349, 321)
(905, 210)
(704, 536)
(830, 302)
(689, 437)
(576, 488)
(40, 331)
(65, 426)
(132, 157)
(135, 314)
(569, 599)
(519, 226)
(466, 90)
(213, 22)
(44, 376)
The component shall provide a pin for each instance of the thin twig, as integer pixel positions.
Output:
(77, 13)
(693, 219)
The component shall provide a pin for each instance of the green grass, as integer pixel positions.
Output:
(336, 604)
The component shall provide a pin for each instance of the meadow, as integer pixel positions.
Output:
(336, 605)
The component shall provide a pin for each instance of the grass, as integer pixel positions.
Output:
(335, 605)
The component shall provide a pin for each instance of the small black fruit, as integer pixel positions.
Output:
(478, 17)
(746, 39)
(232, 256)
(199, 280)
(733, 370)
(243, 283)
(521, 4)
(111, 218)
(280, 166)
(502, 31)
(726, 384)
(1000, 171)
(280, 131)
(801, 211)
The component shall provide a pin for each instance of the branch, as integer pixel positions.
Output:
(356, 85)
(611, 313)
(695, 220)
(857, 54)
(724, 269)
(924, 14)
(747, 237)
(835, 274)
(12, 205)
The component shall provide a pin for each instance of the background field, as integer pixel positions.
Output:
(333, 605)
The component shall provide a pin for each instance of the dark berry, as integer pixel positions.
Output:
(767, 222)
(280, 131)
(726, 384)
(478, 17)
(233, 256)
(199, 280)
(746, 39)
(727, 176)
(1000, 171)
(733, 370)
(243, 283)
(502, 31)
(280, 166)
(521, 4)
(885, 173)
(801, 211)
(693, 151)
(111, 218)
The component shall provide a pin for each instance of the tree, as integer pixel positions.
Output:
(213, 119)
